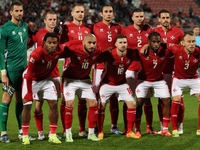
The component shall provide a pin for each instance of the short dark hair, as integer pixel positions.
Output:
(105, 6)
(76, 4)
(164, 11)
(15, 4)
(195, 27)
(153, 34)
(120, 36)
(188, 33)
(138, 10)
(49, 12)
(50, 35)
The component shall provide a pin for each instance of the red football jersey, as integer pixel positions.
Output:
(152, 64)
(80, 62)
(172, 36)
(106, 36)
(73, 32)
(185, 65)
(38, 40)
(136, 39)
(117, 66)
(40, 66)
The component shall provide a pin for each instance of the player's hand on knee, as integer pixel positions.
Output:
(5, 80)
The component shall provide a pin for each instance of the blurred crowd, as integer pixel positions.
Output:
(34, 12)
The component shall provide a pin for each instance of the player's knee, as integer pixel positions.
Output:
(166, 102)
(92, 102)
(70, 103)
(6, 98)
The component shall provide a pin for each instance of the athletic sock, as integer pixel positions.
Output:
(137, 124)
(174, 114)
(114, 110)
(62, 114)
(39, 120)
(4, 115)
(101, 116)
(68, 117)
(199, 116)
(181, 112)
(53, 128)
(18, 113)
(82, 113)
(166, 121)
(160, 110)
(148, 114)
(125, 116)
(25, 127)
(92, 116)
(131, 113)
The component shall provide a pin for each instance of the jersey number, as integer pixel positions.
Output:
(80, 37)
(20, 34)
(120, 70)
(186, 65)
(139, 42)
(109, 38)
(155, 63)
(85, 65)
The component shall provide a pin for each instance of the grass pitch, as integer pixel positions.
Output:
(188, 141)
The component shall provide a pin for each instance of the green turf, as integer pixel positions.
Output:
(189, 140)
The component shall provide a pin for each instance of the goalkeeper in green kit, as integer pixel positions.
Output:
(13, 39)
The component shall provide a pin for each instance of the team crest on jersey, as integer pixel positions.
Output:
(114, 63)
(85, 60)
(165, 40)
(171, 44)
(32, 60)
(180, 57)
(116, 30)
(131, 35)
(72, 31)
(109, 32)
(101, 30)
(187, 62)
(24, 29)
(13, 32)
(146, 34)
(121, 65)
(79, 33)
(172, 37)
(139, 37)
(94, 57)
(79, 58)
(195, 61)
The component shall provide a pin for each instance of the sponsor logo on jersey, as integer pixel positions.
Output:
(139, 37)
(146, 34)
(32, 60)
(180, 57)
(13, 32)
(101, 30)
(128, 62)
(172, 37)
(24, 29)
(131, 35)
(195, 61)
(72, 31)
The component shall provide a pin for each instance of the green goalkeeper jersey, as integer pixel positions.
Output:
(14, 38)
